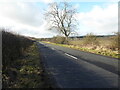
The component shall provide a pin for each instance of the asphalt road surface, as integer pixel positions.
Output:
(77, 69)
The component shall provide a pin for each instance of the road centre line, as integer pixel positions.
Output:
(52, 48)
(71, 56)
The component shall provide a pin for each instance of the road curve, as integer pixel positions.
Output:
(76, 69)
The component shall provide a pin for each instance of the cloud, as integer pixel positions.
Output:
(47, 1)
(26, 13)
(44, 1)
(76, 6)
(99, 20)
(24, 18)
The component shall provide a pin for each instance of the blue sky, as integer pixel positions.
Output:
(27, 18)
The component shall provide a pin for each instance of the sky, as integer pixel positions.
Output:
(26, 17)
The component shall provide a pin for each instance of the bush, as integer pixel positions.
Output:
(115, 42)
(13, 46)
(90, 39)
(59, 40)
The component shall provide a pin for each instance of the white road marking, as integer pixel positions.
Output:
(52, 48)
(41, 43)
(71, 56)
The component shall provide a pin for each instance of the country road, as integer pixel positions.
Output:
(76, 69)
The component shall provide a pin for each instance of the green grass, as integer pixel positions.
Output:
(29, 71)
(100, 52)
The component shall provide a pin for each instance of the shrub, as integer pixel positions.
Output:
(90, 39)
(13, 46)
(59, 40)
(115, 42)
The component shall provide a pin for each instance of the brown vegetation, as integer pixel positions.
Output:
(13, 47)
(59, 40)
(104, 45)
(89, 41)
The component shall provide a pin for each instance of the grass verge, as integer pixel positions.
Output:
(110, 53)
(27, 72)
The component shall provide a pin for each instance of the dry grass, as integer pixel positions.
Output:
(13, 46)
(97, 50)
(76, 42)
(21, 63)
(107, 46)
(29, 71)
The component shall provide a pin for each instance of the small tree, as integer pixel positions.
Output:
(90, 39)
(61, 17)
(115, 41)
(59, 40)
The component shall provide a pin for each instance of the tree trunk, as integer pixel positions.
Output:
(66, 40)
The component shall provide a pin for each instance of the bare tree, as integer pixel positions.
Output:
(62, 18)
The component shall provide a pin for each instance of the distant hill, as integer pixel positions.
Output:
(96, 36)
(77, 37)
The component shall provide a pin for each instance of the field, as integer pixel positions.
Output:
(107, 46)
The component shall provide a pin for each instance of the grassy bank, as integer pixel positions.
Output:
(28, 71)
(105, 52)
(21, 63)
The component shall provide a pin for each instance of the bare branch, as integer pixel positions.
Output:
(62, 17)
